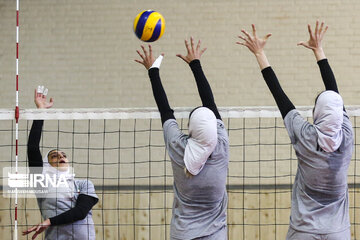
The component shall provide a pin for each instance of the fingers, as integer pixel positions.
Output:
(317, 27)
(187, 46)
(202, 51)
(198, 45)
(150, 50)
(51, 102)
(301, 44)
(138, 61)
(305, 44)
(182, 57)
(29, 230)
(326, 28)
(242, 38)
(321, 27)
(246, 43)
(241, 43)
(320, 32)
(142, 57)
(140, 54)
(246, 33)
(247, 40)
(36, 229)
(267, 36)
(35, 235)
(253, 29)
(144, 50)
(192, 43)
(309, 29)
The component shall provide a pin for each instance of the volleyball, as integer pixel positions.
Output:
(149, 26)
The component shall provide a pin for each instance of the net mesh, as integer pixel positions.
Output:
(122, 152)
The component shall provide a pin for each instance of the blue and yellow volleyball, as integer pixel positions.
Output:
(149, 26)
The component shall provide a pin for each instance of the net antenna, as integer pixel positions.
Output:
(17, 112)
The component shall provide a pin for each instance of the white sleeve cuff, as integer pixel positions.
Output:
(157, 62)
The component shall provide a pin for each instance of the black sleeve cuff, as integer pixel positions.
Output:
(268, 70)
(194, 64)
(153, 72)
(322, 62)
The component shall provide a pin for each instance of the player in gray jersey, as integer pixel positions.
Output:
(320, 202)
(66, 212)
(199, 159)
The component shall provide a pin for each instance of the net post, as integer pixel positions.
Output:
(17, 114)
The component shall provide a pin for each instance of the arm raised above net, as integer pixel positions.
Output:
(203, 86)
(256, 46)
(160, 96)
(33, 150)
(315, 44)
(327, 75)
(153, 66)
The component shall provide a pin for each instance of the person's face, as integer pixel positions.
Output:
(58, 159)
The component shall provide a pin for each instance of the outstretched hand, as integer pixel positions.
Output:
(40, 98)
(314, 42)
(38, 229)
(147, 57)
(192, 52)
(253, 43)
(256, 46)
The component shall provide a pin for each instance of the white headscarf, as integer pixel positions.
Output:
(202, 141)
(62, 191)
(328, 119)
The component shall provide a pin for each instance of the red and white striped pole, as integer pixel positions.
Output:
(17, 112)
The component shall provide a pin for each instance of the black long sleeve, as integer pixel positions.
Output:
(33, 150)
(203, 86)
(84, 204)
(283, 102)
(327, 75)
(160, 96)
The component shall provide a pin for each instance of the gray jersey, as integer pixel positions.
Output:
(320, 201)
(200, 202)
(79, 230)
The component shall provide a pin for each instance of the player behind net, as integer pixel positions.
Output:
(67, 214)
(199, 160)
(320, 203)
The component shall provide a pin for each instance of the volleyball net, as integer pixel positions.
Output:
(122, 152)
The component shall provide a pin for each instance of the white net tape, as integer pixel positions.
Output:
(148, 113)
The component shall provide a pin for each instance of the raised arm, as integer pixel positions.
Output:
(34, 155)
(33, 150)
(256, 46)
(158, 90)
(193, 59)
(315, 44)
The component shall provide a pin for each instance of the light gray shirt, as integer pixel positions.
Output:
(79, 230)
(320, 202)
(200, 202)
